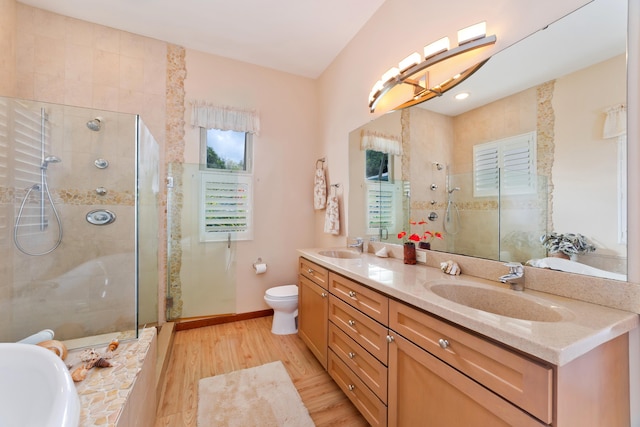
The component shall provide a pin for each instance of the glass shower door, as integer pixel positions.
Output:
(201, 275)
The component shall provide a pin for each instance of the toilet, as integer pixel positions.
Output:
(284, 301)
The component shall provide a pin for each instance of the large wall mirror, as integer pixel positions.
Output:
(538, 147)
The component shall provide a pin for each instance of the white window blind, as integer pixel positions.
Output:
(380, 206)
(226, 207)
(514, 158)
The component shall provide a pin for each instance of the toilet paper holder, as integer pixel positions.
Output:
(258, 262)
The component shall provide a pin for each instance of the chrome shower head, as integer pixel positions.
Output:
(95, 124)
(49, 159)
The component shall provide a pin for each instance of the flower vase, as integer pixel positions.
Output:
(424, 245)
(410, 253)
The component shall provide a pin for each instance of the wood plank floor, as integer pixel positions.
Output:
(212, 350)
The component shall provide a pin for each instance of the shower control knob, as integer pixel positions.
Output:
(101, 191)
(101, 163)
(434, 186)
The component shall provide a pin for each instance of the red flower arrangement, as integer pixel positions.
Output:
(426, 236)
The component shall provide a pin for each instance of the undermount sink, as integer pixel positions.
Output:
(37, 389)
(501, 302)
(340, 254)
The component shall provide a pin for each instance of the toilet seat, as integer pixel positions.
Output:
(282, 292)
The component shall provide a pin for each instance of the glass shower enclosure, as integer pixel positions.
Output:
(79, 190)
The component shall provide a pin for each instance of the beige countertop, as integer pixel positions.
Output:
(583, 327)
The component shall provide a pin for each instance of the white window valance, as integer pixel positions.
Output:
(380, 142)
(615, 122)
(211, 116)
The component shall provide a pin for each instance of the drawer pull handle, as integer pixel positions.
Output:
(390, 339)
(351, 387)
(351, 322)
(351, 355)
(443, 343)
(323, 294)
(352, 294)
(310, 271)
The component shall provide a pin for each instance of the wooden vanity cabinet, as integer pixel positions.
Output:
(313, 308)
(403, 367)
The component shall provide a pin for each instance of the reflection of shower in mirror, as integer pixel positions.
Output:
(451, 221)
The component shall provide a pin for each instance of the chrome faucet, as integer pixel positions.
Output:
(359, 244)
(515, 278)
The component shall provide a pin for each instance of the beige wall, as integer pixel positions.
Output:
(586, 165)
(284, 155)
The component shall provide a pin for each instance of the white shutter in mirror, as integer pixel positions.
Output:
(380, 206)
(514, 157)
(486, 169)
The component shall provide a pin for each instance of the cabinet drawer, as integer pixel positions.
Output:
(371, 335)
(313, 272)
(364, 365)
(526, 383)
(370, 302)
(372, 408)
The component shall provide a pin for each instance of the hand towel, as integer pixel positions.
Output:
(320, 190)
(332, 216)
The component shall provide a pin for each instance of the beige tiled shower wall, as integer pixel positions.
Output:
(52, 58)
(7, 47)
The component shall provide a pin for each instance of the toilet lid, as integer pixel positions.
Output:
(283, 291)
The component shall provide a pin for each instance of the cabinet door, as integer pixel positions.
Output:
(424, 391)
(313, 309)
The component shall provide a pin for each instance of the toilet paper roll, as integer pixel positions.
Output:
(260, 268)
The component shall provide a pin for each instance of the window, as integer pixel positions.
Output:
(225, 149)
(226, 186)
(377, 166)
(514, 158)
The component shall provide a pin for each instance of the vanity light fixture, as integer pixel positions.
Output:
(472, 33)
(413, 70)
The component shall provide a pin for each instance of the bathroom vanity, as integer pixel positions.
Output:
(405, 349)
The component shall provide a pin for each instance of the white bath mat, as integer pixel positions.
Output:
(260, 396)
